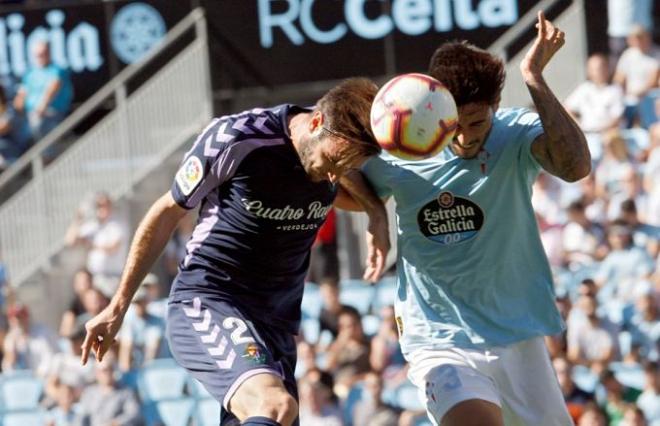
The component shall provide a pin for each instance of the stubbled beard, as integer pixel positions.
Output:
(306, 148)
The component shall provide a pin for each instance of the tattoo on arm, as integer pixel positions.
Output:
(562, 149)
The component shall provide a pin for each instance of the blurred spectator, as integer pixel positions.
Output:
(306, 358)
(27, 345)
(156, 303)
(651, 182)
(622, 15)
(615, 164)
(329, 315)
(371, 410)
(596, 104)
(385, 350)
(617, 397)
(644, 235)
(65, 368)
(649, 400)
(45, 93)
(637, 70)
(629, 188)
(106, 238)
(106, 403)
(592, 416)
(633, 416)
(14, 136)
(65, 412)
(546, 194)
(576, 399)
(624, 270)
(583, 241)
(318, 404)
(645, 326)
(348, 356)
(82, 281)
(94, 301)
(594, 342)
(141, 337)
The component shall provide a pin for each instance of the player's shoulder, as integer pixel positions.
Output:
(256, 123)
(516, 116)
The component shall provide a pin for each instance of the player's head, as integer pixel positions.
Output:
(598, 69)
(475, 79)
(340, 136)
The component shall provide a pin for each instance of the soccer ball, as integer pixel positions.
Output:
(413, 116)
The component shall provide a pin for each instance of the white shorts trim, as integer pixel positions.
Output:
(518, 378)
(242, 378)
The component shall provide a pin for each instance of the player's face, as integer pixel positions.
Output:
(474, 123)
(323, 158)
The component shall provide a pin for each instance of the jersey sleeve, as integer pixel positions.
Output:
(207, 165)
(529, 128)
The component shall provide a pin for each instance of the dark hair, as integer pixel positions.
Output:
(471, 74)
(350, 310)
(346, 109)
(629, 206)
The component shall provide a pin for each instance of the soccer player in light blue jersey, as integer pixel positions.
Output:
(475, 293)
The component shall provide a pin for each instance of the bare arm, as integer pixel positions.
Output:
(150, 238)
(562, 148)
(359, 193)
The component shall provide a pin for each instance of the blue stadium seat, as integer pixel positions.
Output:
(197, 389)
(207, 412)
(20, 390)
(407, 397)
(370, 324)
(584, 378)
(311, 301)
(161, 379)
(631, 376)
(170, 412)
(24, 418)
(310, 329)
(358, 294)
(385, 293)
(422, 420)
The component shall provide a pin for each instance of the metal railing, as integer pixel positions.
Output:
(144, 128)
(561, 78)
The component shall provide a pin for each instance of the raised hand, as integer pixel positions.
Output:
(549, 40)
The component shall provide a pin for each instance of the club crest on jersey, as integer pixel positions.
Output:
(450, 219)
(254, 354)
(190, 175)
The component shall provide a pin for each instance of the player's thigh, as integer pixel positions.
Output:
(264, 395)
(221, 347)
(473, 412)
(529, 389)
(449, 387)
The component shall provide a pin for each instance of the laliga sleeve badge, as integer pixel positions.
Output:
(254, 354)
(189, 175)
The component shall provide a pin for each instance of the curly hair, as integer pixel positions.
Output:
(471, 74)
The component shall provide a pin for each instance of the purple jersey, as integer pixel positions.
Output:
(259, 214)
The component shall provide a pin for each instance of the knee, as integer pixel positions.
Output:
(280, 406)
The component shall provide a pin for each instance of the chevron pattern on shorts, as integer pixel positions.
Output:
(216, 345)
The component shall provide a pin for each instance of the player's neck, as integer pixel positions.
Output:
(297, 124)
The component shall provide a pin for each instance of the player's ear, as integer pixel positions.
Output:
(316, 122)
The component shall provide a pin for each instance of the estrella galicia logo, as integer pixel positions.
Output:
(134, 30)
(450, 219)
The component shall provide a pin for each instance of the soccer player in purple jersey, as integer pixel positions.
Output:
(264, 181)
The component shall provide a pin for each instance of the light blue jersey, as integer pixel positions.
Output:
(472, 271)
